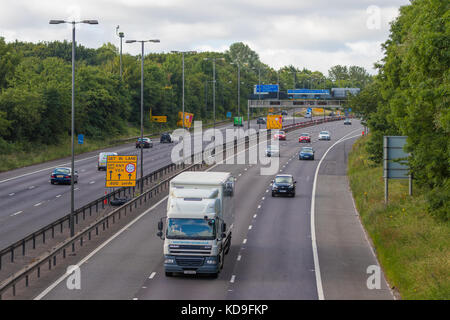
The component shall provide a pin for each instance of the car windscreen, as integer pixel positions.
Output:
(306, 150)
(305, 135)
(201, 229)
(283, 180)
(62, 171)
(324, 132)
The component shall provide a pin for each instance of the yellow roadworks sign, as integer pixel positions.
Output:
(121, 171)
(274, 121)
(159, 118)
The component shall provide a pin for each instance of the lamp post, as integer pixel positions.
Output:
(142, 106)
(239, 86)
(121, 35)
(214, 91)
(72, 197)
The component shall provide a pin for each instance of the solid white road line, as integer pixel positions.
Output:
(313, 228)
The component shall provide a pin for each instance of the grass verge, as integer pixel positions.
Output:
(28, 154)
(412, 246)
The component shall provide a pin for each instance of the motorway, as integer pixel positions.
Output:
(271, 256)
(29, 201)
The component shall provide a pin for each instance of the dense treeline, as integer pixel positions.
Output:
(410, 96)
(35, 88)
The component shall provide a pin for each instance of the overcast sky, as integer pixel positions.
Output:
(315, 34)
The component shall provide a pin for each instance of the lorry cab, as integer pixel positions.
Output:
(197, 228)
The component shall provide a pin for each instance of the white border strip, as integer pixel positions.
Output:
(313, 230)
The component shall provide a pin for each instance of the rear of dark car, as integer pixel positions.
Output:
(165, 138)
(145, 143)
(62, 176)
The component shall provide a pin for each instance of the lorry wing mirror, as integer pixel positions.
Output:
(160, 226)
(224, 227)
(295, 181)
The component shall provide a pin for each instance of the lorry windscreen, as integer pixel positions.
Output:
(195, 229)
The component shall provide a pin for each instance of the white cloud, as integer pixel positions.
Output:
(312, 34)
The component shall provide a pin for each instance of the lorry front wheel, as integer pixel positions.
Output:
(169, 274)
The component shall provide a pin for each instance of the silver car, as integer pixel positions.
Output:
(324, 135)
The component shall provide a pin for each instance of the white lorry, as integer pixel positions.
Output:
(198, 226)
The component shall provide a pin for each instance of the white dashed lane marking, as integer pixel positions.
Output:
(38, 204)
(233, 277)
(16, 213)
(152, 275)
(245, 241)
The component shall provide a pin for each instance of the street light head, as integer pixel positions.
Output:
(56, 21)
(121, 34)
(154, 40)
(90, 21)
(130, 41)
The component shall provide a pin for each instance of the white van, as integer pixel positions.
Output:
(102, 158)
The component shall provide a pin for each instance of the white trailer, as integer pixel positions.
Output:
(199, 222)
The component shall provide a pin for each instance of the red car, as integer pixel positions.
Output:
(280, 136)
(305, 137)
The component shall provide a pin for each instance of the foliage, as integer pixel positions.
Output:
(410, 96)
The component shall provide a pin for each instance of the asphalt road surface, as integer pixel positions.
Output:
(29, 202)
(271, 256)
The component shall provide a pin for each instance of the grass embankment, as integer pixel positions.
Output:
(412, 247)
(28, 154)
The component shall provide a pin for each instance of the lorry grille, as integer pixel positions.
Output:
(189, 262)
(189, 249)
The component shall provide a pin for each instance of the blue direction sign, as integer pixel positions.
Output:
(80, 139)
(228, 114)
(265, 88)
(309, 110)
(349, 109)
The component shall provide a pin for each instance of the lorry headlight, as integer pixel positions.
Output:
(169, 260)
(211, 260)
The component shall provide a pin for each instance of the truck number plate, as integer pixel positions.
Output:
(282, 190)
(190, 272)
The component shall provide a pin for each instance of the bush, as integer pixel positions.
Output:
(439, 201)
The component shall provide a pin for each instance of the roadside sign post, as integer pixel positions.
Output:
(80, 139)
(121, 171)
(395, 162)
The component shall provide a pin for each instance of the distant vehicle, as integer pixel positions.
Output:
(324, 135)
(280, 136)
(229, 187)
(284, 113)
(260, 120)
(307, 115)
(238, 121)
(103, 158)
(166, 138)
(331, 114)
(198, 225)
(144, 143)
(306, 153)
(304, 138)
(347, 121)
(272, 151)
(283, 184)
(63, 175)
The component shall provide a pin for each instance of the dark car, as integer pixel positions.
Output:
(63, 175)
(284, 113)
(260, 120)
(306, 153)
(283, 184)
(166, 138)
(144, 143)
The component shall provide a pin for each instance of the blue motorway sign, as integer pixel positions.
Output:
(307, 91)
(349, 109)
(80, 139)
(265, 88)
(309, 110)
(228, 114)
